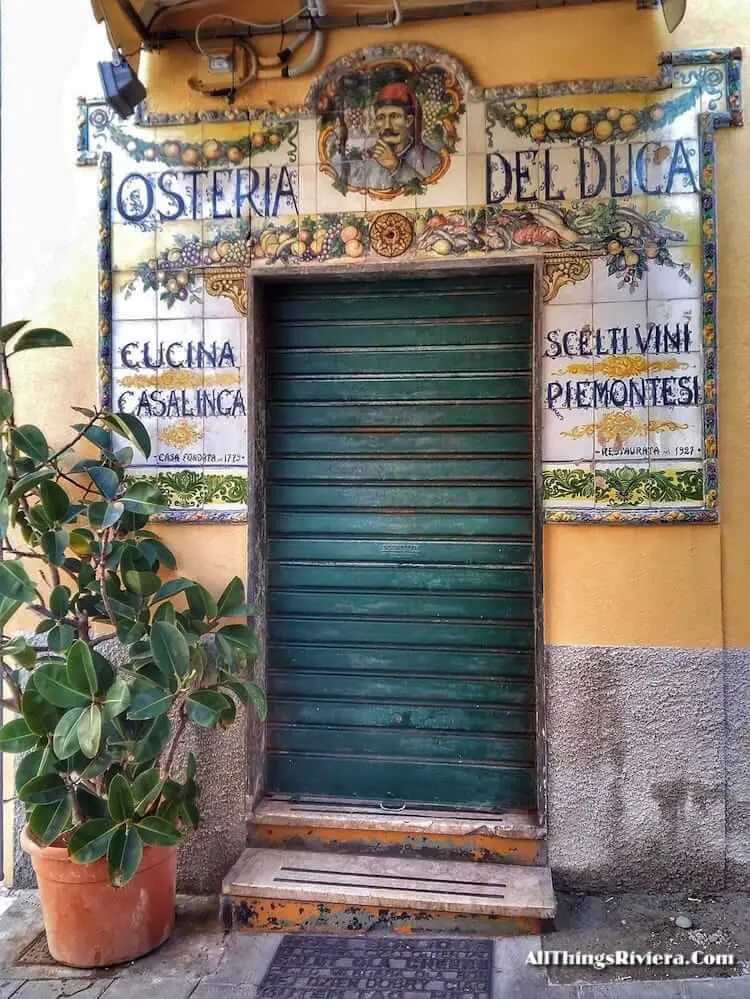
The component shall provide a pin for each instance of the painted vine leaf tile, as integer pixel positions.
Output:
(397, 157)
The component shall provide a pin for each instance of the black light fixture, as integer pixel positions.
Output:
(674, 11)
(123, 91)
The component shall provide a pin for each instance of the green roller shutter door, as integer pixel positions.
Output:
(400, 523)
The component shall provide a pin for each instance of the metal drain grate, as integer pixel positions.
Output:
(37, 952)
(343, 968)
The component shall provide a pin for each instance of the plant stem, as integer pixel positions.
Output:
(166, 766)
(67, 447)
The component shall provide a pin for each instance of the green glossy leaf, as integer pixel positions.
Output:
(6, 405)
(82, 541)
(131, 427)
(143, 498)
(41, 716)
(31, 441)
(15, 583)
(20, 650)
(47, 823)
(90, 805)
(153, 740)
(120, 799)
(206, 707)
(157, 831)
(124, 455)
(88, 413)
(105, 674)
(53, 545)
(170, 650)
(51, 680)
(33, 339)
(4, 470)
(117, 699)
(165, 612)
(105, 480)
(81, 673)
(171, 588)
(232, 600)
(240, 636)
(34, 763)
(90, 841)
(95, 767)
(103, 515)
(249, 693)
(145, 584)
(90, 731)
(148, 701)
(54, 500)
(155, 551)
(60, 637)
(201, 603)
(146, 789)
(65, 740)
(59, 601)
(10, 329)
(124, 855)
(17, 737)
(97, 435)
(43, 790)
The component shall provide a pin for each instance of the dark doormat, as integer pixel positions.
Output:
(325, 967)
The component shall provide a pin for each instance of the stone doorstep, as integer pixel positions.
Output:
(509, 824)
(458, 888)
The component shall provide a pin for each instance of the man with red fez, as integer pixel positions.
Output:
(398, 155)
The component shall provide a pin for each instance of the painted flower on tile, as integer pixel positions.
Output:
(389, 126)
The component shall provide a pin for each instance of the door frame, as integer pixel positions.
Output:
(258, 279)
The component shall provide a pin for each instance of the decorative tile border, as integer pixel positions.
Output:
(213, 262)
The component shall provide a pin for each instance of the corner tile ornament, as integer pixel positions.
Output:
(396, 157)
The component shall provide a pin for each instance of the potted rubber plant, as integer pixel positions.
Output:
(107, 792)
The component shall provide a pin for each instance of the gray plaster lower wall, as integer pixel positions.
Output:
(648, 768)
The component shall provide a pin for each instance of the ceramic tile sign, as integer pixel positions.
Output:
(396, 156)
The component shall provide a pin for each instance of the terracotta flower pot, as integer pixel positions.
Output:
(91, 924)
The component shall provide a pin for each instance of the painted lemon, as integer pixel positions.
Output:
(354, 248)
(298, 248)
(172, 285)
(656, 114)
(274, 138)
(258, 140)
(171, 150)
(629, 122)
(631, 258)
(211, 149)
(316, 246)
(613, 114)
(442, 246)
(348, 233)
(235, 154)
(537, 131)
(149, 153)
(614, 246)
(173, 256)
(580, 123)
(223, 248)
(520, 122)
(553, 120)
(603, 130)
(189, 156)
(182, 279)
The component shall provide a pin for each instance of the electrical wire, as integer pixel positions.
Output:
(245, 24)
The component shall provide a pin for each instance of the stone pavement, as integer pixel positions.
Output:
(200, 961)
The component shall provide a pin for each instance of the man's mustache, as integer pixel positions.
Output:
(387, 134)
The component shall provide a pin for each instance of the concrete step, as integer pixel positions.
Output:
(289, 890)
(510, 837)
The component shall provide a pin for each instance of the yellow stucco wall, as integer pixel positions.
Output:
(685, 586)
